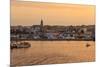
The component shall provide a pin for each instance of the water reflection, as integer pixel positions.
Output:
(47, 52)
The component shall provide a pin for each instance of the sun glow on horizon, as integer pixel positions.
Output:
(30, 13)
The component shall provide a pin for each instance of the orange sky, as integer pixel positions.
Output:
(30, 13)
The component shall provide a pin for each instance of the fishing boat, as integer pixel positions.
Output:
(20, 45)
(88, 45)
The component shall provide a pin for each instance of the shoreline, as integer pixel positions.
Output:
(52, 40)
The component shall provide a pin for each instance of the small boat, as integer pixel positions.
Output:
(88, 45)
(24, 45)
(20, 45)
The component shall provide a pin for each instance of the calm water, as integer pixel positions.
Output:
(51, 52)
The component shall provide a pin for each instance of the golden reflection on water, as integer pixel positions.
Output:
(52, 52)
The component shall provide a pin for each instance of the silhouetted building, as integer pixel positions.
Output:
(42, 30)
(41, 26)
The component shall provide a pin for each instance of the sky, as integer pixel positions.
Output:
(31, 13)
(89, 2)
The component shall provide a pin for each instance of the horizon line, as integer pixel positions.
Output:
(54, 25)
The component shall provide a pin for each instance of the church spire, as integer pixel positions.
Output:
(42, 29)
(41, 22)
(41, 25)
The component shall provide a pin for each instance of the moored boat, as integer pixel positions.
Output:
(88, 45)
(20, 45)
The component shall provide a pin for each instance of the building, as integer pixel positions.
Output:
(41, 26)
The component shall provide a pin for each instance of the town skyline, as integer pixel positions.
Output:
(53, 24)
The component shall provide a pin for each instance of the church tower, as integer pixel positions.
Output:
(41, 29)
(41, 26)
(41, 23)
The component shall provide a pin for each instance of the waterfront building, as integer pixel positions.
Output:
(42, 30)
(41, 26)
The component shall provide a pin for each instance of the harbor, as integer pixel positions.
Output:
(53, 52)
